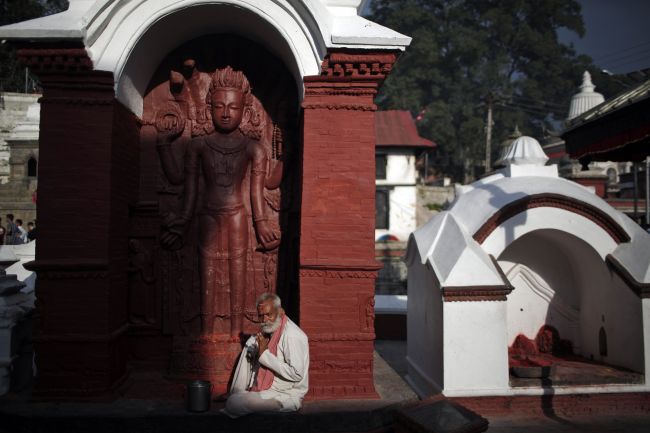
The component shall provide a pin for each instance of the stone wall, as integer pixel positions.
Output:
(391, 279)
(431, 200)
(13, 108)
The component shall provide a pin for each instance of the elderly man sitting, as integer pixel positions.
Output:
(272, 371)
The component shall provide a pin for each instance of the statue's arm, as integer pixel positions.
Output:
(192, 161)
(168, 162)
(268, 238)
(274, 179)
(170, 124)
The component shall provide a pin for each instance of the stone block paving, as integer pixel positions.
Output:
(574, 424)
(336, 416)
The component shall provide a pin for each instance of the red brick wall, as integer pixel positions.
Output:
(87, 172)
(337, 249)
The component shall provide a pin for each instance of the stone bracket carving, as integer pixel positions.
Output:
(359, 66)
(42, 60)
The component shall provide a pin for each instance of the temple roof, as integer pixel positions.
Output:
(396, 128)
(616, 130)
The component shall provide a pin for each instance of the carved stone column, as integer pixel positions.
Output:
(337, 248)
(87, 178)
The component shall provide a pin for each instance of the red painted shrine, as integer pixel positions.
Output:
(161, 223)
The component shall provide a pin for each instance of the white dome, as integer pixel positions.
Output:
(525, 150)
(586, 99)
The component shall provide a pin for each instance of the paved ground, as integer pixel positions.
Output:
(591, 424)
(394, 353)
(136, 416)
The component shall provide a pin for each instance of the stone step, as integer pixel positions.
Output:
(136, 416)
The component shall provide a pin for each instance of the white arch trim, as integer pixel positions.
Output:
(298, 31)
(118, 30)
(549, 218)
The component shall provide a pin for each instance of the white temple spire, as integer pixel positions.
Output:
(586, 99)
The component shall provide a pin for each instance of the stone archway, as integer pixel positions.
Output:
(96, 173)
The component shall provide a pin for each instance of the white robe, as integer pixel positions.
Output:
(290, 367)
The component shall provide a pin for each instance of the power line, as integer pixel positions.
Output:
(617, 52)
(534, 111)
(536, 108)
(550, 104)
(615, 60)
(630, 62)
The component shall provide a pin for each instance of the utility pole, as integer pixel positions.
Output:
(635, 171)
(647, 192)
(488, 135)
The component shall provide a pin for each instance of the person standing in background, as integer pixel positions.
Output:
(31, 231)
(2, 233)
(20, 236)
(11, 230)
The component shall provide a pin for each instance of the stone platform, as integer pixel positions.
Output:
(603, 413)
(136, 415)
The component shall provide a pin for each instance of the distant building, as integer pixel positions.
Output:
(398, 147)
(13, 108)
(19, 119)
(607, 178)
(617, 130)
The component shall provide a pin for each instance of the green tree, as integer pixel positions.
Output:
(12, 75)
(467, 52)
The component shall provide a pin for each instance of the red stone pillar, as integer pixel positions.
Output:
(337, 248)
(87, 178)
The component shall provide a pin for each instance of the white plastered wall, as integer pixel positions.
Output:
(400, 178)
(476, 353)
(424, 331)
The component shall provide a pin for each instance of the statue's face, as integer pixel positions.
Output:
(227, 109)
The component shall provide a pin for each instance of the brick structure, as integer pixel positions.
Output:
(86, 166)
(117, 310)
(337, 248)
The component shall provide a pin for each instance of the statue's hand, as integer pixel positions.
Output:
(268, 237)
(169, 131)
(170, 123)
(172, 233)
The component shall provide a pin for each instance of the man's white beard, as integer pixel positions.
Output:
(270, 328)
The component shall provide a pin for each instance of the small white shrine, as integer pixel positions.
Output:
(519, 250)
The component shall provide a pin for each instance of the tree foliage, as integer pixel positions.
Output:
(465, 53)
(12, 75)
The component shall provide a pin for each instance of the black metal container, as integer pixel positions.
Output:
(199, 395)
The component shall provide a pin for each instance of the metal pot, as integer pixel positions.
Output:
(199, 395)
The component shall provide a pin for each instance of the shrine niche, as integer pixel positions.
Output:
(217, 198)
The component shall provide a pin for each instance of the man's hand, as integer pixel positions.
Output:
(262, 343)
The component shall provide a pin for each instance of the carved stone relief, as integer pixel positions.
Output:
(218, 157)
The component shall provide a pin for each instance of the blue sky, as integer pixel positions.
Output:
(617, 34)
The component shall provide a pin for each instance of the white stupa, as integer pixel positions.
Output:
(586, 99)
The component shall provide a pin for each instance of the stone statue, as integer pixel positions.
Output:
(227, 155)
